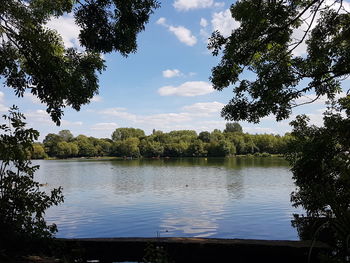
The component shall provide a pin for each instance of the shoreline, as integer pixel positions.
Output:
(162, 158)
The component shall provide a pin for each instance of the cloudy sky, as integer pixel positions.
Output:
(164, 86)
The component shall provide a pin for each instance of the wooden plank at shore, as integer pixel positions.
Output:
(197, 249)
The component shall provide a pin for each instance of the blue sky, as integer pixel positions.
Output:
(164, 86)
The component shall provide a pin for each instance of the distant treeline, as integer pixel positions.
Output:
(131, 142)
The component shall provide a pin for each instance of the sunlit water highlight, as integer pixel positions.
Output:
(222, 198)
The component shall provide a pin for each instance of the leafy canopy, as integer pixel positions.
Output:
(264, 45)
(233, 127)
(320, 160)
(33, 57)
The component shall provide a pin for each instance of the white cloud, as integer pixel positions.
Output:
(203, 32)
(204, 107)
(219, 4)
(3, 108)
(185, 5)
(164, 119)
(2, 96)
(103, 126)
(34, 99)
(96, 98)
(161, 21)
(187, 89)
(224, 23)
(183, 34)
(187, 118)
(39, 117)
(120, 113)
(68, 29)
(203, 22)
(42, 118)
(170, 73)
(205, 35)
(149, 121)
(202, 116)
(71, 123)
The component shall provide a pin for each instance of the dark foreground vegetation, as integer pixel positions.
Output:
(131, 142)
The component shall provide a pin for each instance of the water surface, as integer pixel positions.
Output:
(221, 198)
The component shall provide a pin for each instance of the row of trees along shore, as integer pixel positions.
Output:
(132, 142)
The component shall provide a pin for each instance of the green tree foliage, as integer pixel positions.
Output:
(216, 135)
(66, 135)
(34, 58)
(233, 127)
(320, 159)
(65, 145)
(128, 147)
(197, 148)
(151, 148)
(176, 149)
(85, 146)
(204, 136)
(38, 151)
(67, 149)
(50, 142)
(22, 203)
(264, 45)
(181, 143)
(124, 133)
(220, 148)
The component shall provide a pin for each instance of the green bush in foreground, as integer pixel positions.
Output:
(22, 203)
(320, 159)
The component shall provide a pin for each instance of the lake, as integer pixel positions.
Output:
(218, 197)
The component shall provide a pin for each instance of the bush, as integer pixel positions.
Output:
(22, 204)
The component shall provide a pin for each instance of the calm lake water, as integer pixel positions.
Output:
(222, 198)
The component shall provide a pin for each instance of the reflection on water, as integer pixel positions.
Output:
(214, 197)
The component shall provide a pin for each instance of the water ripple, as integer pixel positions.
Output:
(228, 199)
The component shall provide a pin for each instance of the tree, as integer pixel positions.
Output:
(67, 149)
(128, 147)
(38, 151)
(50, 142)
(149, 148)
(105, 145)
(216, 135)
(320, 161)
(233, 127)
(204, 136)
(66, 135)
(264, 44)
(176, 149)
(86, 148)
(125, 133)
(34, 58)
(196, 149)
(22, 203)
(220, 148)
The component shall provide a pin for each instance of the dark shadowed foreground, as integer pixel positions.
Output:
(194, 250)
